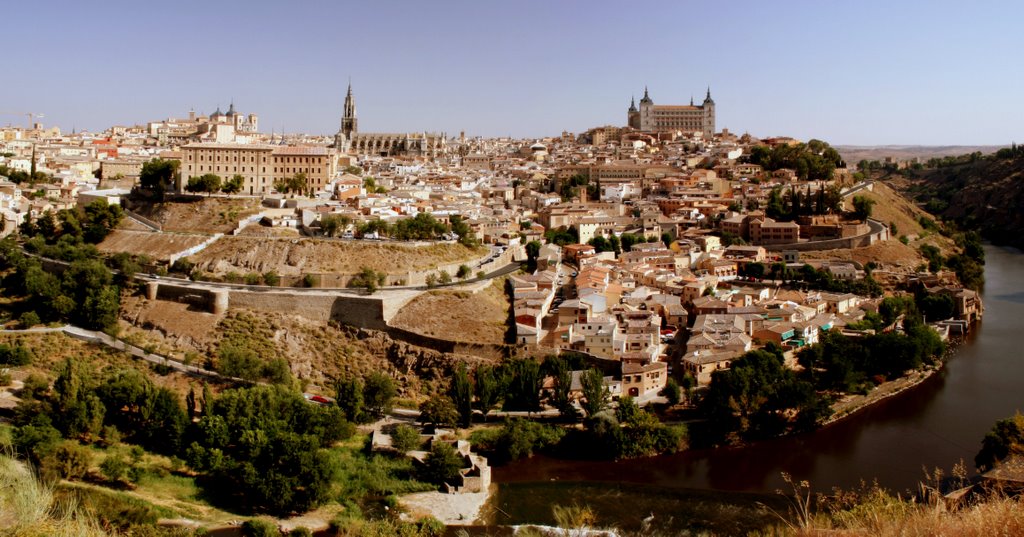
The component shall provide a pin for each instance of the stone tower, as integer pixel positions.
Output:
(349, 123)
(709, 116)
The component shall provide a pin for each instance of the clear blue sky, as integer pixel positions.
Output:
(864, 72)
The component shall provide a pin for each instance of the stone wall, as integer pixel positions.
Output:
(878, 232)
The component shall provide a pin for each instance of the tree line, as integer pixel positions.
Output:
(519, 385)
(815, 160)
(760, 397)
(259, 449)
(87, 292)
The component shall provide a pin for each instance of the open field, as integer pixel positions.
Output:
(158, 246)
(458, 315)
(293, 257)
(207, 215)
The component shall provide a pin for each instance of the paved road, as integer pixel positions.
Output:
(856, 188)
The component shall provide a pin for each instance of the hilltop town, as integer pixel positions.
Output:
(661, 240)
(621, 267)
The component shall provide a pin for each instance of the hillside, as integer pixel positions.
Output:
(474, 318)
(207, 215)
(986, 194)
(893, 255)
(293, 257)
(316, 353)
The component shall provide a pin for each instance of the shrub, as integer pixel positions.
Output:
(29, 319)
(69, 461)
(271, 278)
(253, 278)
(405, 438)
(114, 467)
(259, 528)
(16, 355)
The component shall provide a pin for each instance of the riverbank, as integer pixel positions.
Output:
(851, 404)
(451, 509)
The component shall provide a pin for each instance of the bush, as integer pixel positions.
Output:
(29, 319)
(253, 278)
(259, 528)
(16, 355)
(442, 464)
(405, 438)
(271, 278)
(69, 461)
(114, 467)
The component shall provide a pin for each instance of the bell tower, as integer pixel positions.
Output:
(349, 123)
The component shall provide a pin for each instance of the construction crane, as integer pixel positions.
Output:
(30, 115)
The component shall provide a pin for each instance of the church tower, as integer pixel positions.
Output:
(349, 123)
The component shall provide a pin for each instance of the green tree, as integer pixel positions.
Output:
(522, 382)
(461, 393)
(862, 206)
(76, 410)
(158, 176)
(378, 393)
(233, 185)
(330, 224)
(487, 388)
(368, 279)
(532, 252)
(671, 392)
(208, 183)
(349, 398)
(405, 438)
(442, 464)
(1005, 439)
(69, 460)
(439, 411)
(463, 272)
(99, 220)
(595, 394)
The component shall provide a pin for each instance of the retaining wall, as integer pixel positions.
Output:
(878, 232)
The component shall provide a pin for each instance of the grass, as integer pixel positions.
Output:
(368, 482)
(29, 507)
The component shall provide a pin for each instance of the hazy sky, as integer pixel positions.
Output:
(849, 72)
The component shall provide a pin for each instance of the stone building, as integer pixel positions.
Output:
(672, 118)
(260, 165)
(385, 144)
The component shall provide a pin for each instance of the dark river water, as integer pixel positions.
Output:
(936, 424)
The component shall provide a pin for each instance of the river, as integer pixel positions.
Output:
(933, 425)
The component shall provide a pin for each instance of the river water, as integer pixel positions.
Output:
(935, 424)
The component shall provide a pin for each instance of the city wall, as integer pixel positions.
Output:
(878, 232)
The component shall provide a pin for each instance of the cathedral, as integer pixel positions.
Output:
(671, 118)
(412, 144)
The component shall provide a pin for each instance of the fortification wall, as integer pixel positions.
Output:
(877, 232)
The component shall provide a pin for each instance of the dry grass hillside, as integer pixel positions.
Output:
(158, 246)
(317, 353)
(458, 315)
(293, 257)
(892, 255)
(207, 215)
